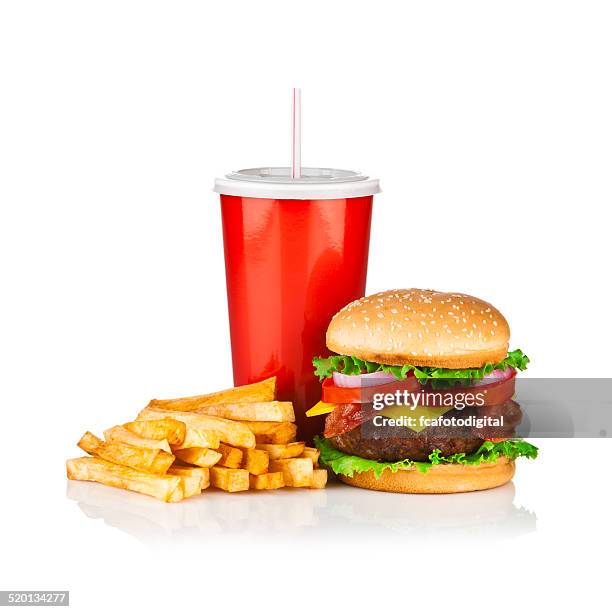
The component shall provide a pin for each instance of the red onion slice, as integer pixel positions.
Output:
(362, 380)
(495, 376)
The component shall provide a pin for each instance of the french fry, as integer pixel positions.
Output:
(283, 451)
(255, 411)
(230, 432)
(255, 461)
(151, 460)
(312, 454)
(228, 479)
(319, 479)
(271, 480)
(203, 457)
(297, 472)
(198, 438)
(191, 484)
(268, 432)
(203, 474)
(164, 488)
(264, 391)
(230, 457)
(161, 429)
(121, 434)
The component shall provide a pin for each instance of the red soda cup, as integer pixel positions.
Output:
(296, 252)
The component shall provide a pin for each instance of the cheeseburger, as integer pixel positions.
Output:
(419, 394)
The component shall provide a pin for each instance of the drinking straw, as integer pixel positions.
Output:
(296, 133)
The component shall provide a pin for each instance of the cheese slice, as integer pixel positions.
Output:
(320, 408)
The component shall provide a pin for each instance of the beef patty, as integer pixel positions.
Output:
(392, 443)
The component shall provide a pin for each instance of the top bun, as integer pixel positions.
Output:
(420, 327)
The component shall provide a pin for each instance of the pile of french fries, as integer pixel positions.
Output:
(234, 440)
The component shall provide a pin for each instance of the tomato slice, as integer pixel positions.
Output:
(333, 394)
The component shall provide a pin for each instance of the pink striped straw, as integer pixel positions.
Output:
(296, 133)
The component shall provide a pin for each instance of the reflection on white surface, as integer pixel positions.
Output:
(336, 511)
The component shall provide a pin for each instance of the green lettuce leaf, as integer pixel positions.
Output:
(439, 377)
(347, 465)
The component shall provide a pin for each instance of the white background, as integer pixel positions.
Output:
(490, 127)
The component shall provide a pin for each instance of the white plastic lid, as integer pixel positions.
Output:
(314, 184)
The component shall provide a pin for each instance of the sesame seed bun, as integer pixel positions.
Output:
(420, 327)
(449, 478)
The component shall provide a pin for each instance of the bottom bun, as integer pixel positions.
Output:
(438, 478)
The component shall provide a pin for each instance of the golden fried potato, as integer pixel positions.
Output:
(264, 391)
(151, 460)
(203, 457)
(269, 481)
(296, 472)
(230, 457)
(255, 461)
(160, 429)
(256, 411)
(269, 432)
(319, 479)
(228, 479)
(203, 474)
(165, 488)
(283, 451)
(312, 454)
(121, 434)
(230, 432)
